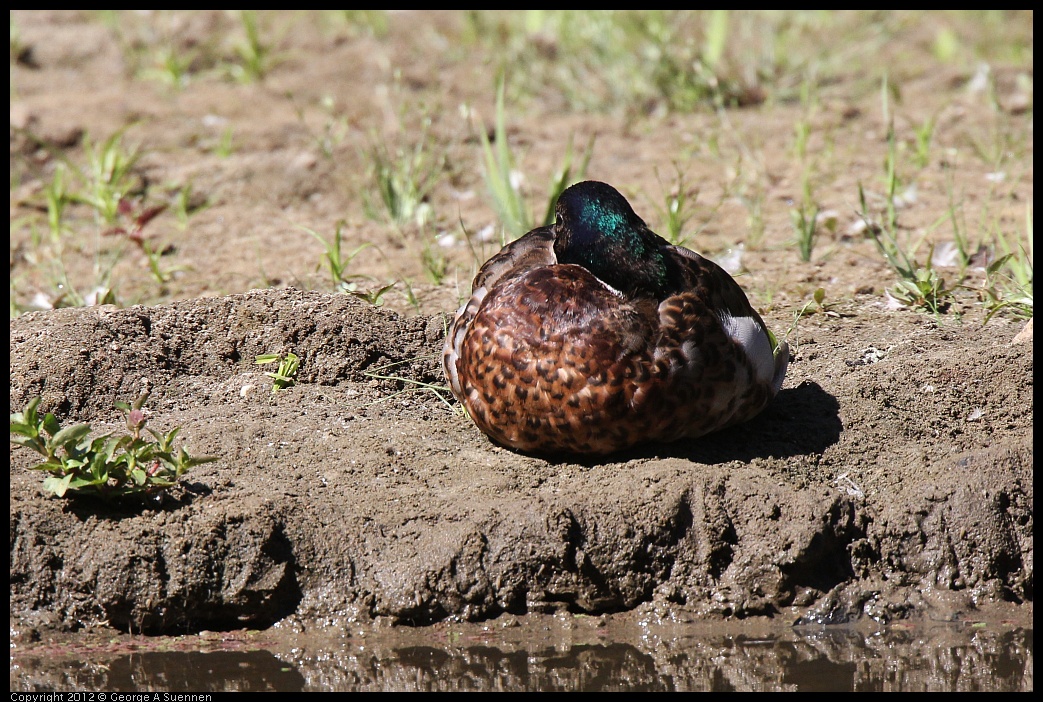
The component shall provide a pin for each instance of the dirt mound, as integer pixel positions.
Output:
(892, 477)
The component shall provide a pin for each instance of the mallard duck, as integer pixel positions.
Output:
(595, 334)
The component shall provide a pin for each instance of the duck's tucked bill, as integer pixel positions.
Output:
(595, 334)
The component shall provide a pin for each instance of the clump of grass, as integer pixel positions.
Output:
(805, 216)
(357, 22)
(805, 223)
(110, 467)
(924, 135)
(255, 55)
(336, 260)
(48, 253)
(403, 179)
(170, 67)
(108, 178)
(503, 181)
(639, 58)
(85, 201)
(919, 285)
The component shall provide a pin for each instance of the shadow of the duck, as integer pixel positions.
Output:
(800, 421)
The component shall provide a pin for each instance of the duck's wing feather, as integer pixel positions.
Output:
(533, 250)
(716, 290)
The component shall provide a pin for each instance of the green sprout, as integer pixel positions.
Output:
(285, 376)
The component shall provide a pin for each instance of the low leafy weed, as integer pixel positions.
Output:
(111, 467)
(925, 289)
(817, 304)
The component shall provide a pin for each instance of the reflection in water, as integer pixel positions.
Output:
(586, 657)
(159, 671)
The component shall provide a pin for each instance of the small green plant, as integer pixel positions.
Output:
(403, 180)
(57, 196)
(372, 22)
(1008, 279)
(374, 296)
(335, 128)
(186, 203)
(805, 222)
(255, 56)
(50, 254)
(434, 261)
(108, 175)
(225, 147)
(170, 67)
(136, 219)
(677, 209)
(817, 305)
(500, 176)
(111, 467)
(286, 374)
(919, 285)
(20, 53)
(336, 261)
(924, 135)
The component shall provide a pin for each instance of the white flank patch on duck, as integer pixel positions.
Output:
(748, 334)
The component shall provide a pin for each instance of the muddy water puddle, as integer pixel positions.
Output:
(540, 652)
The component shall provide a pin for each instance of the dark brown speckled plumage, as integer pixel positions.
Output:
(594, 334)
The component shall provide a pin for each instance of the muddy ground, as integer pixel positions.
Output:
(890, 479)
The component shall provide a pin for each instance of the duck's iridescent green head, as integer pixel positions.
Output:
(597, 228)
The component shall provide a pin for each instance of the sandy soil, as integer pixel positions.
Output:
(891, 478)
